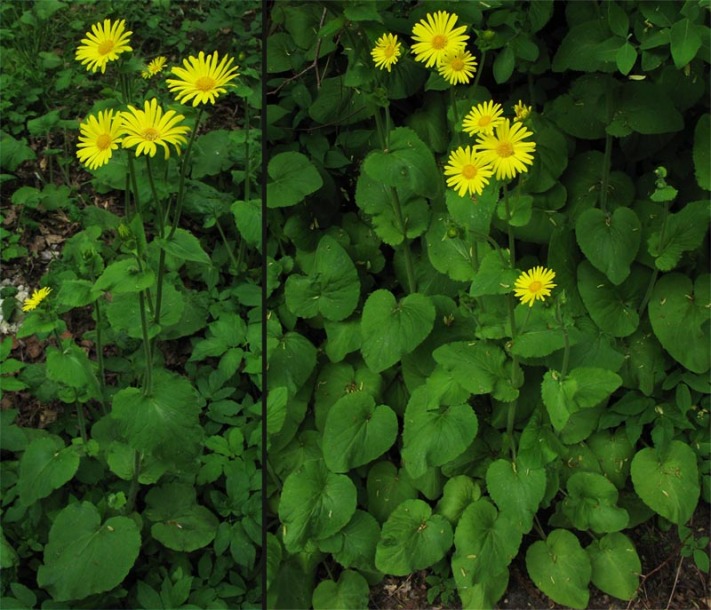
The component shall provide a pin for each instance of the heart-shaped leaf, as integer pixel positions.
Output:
(357, 432)
(609, 241)
(679, 314)
(351, 591)
(83, 556)
(517, 490)
(592, 504)
(293, 177)
(391, 329)
(45, 465)
(560, 568)
(435, 435)
(668, 484)
(387, 488)
(615, 565)
(412, 539)
(315, 503)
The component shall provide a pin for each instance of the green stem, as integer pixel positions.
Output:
(511, 416)
(148, 381)
(608, 155)
(183, 172)
(655, 273)
(82, 422)
(480, 69)
(409, 267)
(455, 116)
(235, 261)
(133, 489)
(566, 340)
(100, 355)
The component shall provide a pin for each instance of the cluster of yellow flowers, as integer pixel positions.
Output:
(201, 79)
(438, 43)
(502, 149)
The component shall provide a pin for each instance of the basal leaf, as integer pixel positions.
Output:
(293, 177)
(45, 465)
(615, 565)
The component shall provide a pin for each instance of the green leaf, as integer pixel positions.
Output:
(702, 151)
(14, 152)
(682, 232)
(390, 329)
(448, 253)
(645, 108)
(479, 368)
(124, 276)
(164, 422)
(614, 452)
(179, 522)
(71, 366)
(517, 491)
(615, 565)
(84, 557)
(685, 42)
(184, 246)
(625, 58)
(435, 435)
(678, 311)
(591, 504)
(485, 543)
(351, 591)
(45, 465)
(609, 241)
(248, 219)
(332, 287)
(354, 545)
(407, 164)
(612, 308)
(587, 47)
(357, 432)
(669, 483)
(412, 539)
(290, 362)
(387, 488)
(459, 492)
(494, 275)
(584, 387)
(293, 177)
(315, 504)
(504, 64)
(560, 568)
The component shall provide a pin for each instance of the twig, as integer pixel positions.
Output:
(676, 579)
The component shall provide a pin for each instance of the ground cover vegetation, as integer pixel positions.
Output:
(488, 296)
(130, 427)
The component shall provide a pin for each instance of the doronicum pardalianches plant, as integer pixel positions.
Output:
(145, 491)
(487, 224)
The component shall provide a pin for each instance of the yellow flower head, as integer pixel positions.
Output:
(534, 284)
(482, 118)
(386, 52)
(436, 35)
(467, 172)
(457, 67)
(154, 67)
(32, 303)
(522, 112)
(507, 149)
(103, 44)
(100, 136)
(202, 79)
(146, 129)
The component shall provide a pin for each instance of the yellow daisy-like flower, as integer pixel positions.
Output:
(103, 44)
(457, 67)
(534, 284)
(100, 137)
(146, 129)
(32, 303)
(202, 79)
(154, 67)
(467, 172)
(482, 118)
(522, 111)
(507, 149)
(436, 35)
(386, 52)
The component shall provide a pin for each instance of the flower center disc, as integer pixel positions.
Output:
(151, 134)
(439, 41)
(535, 286)
(468, 171)
(205, 83)
(103, 141)
(389, 51)
(457, 64)
(106, 47)
(505, 149)
(484, 121)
